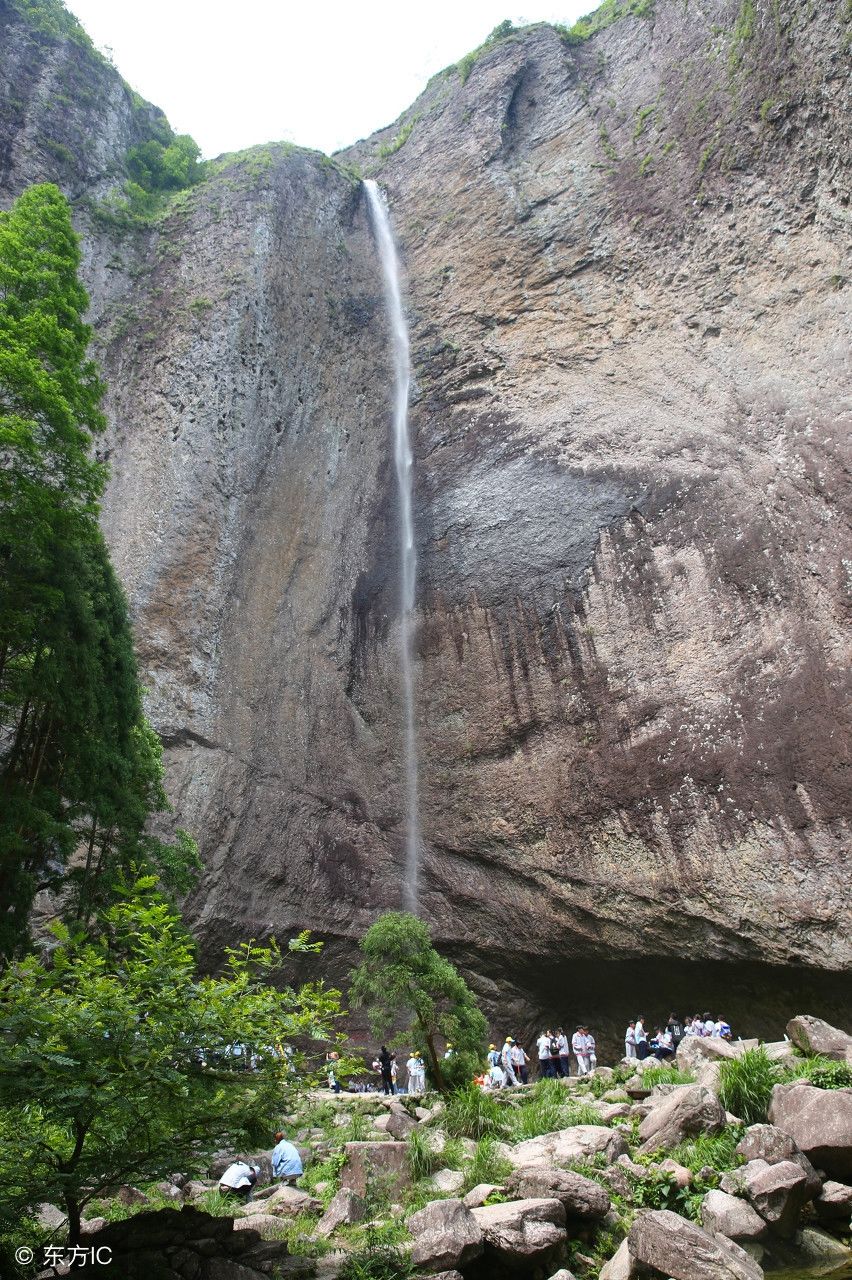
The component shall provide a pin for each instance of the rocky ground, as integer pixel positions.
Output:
(634, 1171)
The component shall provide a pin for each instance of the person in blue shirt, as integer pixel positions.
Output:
(286, 1161)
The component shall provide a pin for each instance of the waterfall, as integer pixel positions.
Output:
(407, 553)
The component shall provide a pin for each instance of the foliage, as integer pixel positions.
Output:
(604, 16)
(487, 1165)
(169, 165)
(102, 1078)
(746, 1085)
(473, 1113)
(467, 63)
(422, 1159)
(402, 980)
(390, 148)
(51, 18)
(666, 1075)
(379, 1257)
(79, 765)
(328, 1171)
(823, 1073)
(716, 1150)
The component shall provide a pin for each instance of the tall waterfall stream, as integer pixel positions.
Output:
(407, 554)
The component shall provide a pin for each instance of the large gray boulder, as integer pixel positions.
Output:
(621, 1265)
(769, 1143)
(446, 1236)
(778, 1193)
(520, 1233)
(400, 1123)
(290, 1201)
(477, 1196)
(567, 1146)
(344, 1209)
(694, 1050)
(834, 1203)
(819, 1121)
(812, 1035)
(666, 1243)
(581, 1197)
(732, 1217)
(384, 1163)
(688, 1110)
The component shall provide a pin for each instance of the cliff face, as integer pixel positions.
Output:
(630, 327)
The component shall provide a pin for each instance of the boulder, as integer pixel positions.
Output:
(778, 1192)
(289, 1201)
(562, 1274)
(446, 1235)
(169, 1191)
(266, 1225)
(620, 1266)
(812, 1035)
(381, 1122)
(834, 1203)
(689, 1110)
(343, 1210)
(50, 1217)
(681, 1175)
(132, 1195)
(817, 1248)
(766, 1142)
(477, 1196)
(819, 1121)
(693, 1050)
(580, 1197)
(782, 1052)
(610, 1111)
(384, 1162)
(731, 1217)
(566, 1146)
(664, 1242)
(400, 1124)
(194, 1190)
(520, 1233)
(89, 1226)
(446, 1180)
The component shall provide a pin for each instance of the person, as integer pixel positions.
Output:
(394, 1073)
(674, 1026)
(519, 1062)
(286, 1161)
(493, 1056)
(554, 1056)
(238, 1180)
(564, 1053)
(641, 1037)
(496, 1078)
(543, 1047)
(722, 1029)
(333, 1082)
(385, 1059)
(591, 1049)
(663, 1047)
(709, 1024)
(506, 1062)
(411, 1068)
(449, 1050)
(421, 1074)
(630, 1041)
(578, 1044)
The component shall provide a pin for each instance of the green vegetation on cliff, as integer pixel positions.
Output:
(80, 768)
(51, 18)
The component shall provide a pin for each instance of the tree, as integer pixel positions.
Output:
(79, 766)
(101, 1074)
(404, 982)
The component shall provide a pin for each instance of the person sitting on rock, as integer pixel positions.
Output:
(286, 1161)
(238, 1180)
(663, 1048)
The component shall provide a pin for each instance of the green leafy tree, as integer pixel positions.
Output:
(403, 982)
(80, 769)
(102, 1075)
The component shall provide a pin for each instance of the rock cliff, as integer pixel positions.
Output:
(628, 280)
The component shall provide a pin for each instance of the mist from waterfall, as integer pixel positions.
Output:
(407, 554)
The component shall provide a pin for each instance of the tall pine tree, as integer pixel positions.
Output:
(80, 768)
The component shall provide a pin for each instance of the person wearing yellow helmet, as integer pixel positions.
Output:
(506, 1061)
(493, 1056)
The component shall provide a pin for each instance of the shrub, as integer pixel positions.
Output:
(716, 1150)
(822, 1072)
(666, 1075)
(487, 1165)
(422, 1160)
(747, 1084)
(471, 1113)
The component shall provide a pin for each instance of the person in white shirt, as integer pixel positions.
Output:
(496, 1079)
(412, 1070)
(238, 1180)
(591, 1049)
(630, 1042)
(506, 1061)
(543, 1047)
(578, 1044)
(641, 1037)
(519, 1062)
(564, 1053)
(709, 1024)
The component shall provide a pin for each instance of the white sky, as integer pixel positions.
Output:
(238, 72)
